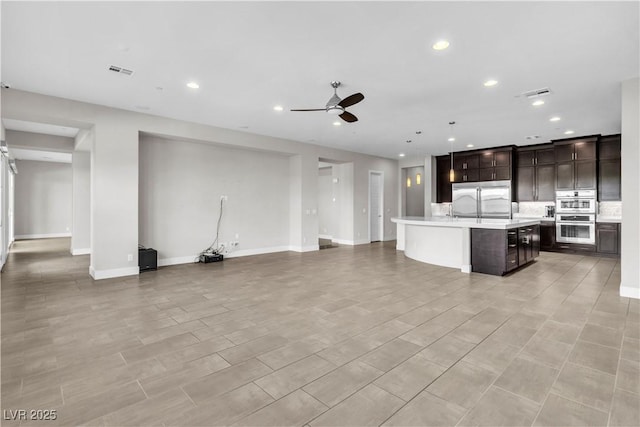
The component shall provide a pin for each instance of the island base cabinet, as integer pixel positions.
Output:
(499, 252)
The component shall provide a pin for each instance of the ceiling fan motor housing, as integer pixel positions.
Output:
(333, 107)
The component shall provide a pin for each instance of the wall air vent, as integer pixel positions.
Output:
(532, 137)
(535, 93)
(120, 70)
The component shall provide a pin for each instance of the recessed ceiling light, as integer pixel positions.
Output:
(490, 83)
(569, 132)
(278, 108)
(451, 139)
(537, 103)
(469, 145)
(418, 132)
(337, 123)
(408, 141)
(440, 45)
(554, 119)
(401, 155)
(193, 85)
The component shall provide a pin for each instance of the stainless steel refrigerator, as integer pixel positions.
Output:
(491, 199)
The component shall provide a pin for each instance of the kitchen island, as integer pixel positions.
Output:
(492, 246)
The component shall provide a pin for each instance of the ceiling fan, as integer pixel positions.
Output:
(337, 106)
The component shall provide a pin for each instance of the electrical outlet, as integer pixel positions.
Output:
(130, 257)
(224, 198)
(237, 236)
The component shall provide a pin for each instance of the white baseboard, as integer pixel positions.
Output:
(325, 236)
(466, 268)
(389, 238)
(309, 248)
(41, 236)
(116, 272)
(343, 242)
(258, 251)
(163, 262)
(630, 292)
(362, 242)
(84, 251)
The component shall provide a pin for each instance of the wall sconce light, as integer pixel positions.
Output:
(408, 182)
(418, 179)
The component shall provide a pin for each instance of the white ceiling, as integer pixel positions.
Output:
(249, 56)
(39, 155)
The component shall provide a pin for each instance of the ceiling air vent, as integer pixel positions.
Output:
(536, 93)
(120, 70)
(532, 137)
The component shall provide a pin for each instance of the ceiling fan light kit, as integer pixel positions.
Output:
(337, 106)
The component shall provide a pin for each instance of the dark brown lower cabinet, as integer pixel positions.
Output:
(498, 252)
(547, 236)
(607, 238)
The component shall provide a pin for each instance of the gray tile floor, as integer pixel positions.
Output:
(351, 336)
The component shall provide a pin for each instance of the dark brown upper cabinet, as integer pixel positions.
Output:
(465, 167)
(576, 163)
(465, 161)
(536, 174)
(609, 168)
(573, 149)
(495, 165)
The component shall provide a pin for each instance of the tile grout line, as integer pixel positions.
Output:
(615, 381)
(424, 389)
(568, 356)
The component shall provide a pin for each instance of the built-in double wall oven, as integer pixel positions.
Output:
(576, 216)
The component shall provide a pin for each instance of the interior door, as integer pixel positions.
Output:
(375, 207)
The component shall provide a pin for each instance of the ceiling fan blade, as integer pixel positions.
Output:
(348, 117)
(350, 100)
(312, 109)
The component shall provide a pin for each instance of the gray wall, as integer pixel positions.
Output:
(180, 188)
(81, 217)
(630, 244)
(414, 195)
(42, 199)
(39, 141)
(326, 205)
(115, 167)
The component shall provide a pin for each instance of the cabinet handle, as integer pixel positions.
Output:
(533, 161)
(513, 261)
(511, 233)
(512, 246)
(536, 160)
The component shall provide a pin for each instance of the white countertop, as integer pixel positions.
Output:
(540, 218)
(611, 219)
(447, 221)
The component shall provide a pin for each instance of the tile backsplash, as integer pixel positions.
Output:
(440, 209)
(610, 209)
(533, 209)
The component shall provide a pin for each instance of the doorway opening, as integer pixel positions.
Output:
(335, 203)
